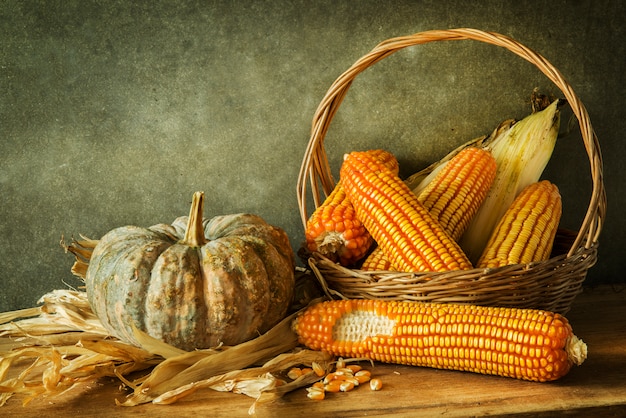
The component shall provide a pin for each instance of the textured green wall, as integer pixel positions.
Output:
(114, 113)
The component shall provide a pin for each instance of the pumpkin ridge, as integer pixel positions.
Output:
(120, 269)
(174, 306)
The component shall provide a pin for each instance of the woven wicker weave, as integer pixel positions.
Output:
(550, 285)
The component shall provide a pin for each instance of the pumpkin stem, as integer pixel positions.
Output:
(194, 234)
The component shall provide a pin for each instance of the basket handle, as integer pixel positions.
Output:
(315, 166)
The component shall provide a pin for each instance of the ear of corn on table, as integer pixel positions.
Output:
(520, 343)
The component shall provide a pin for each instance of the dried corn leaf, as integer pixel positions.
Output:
(41, 376)
(154, 345)
(72, 309)
(82, 250)
(179, 371)
(66, 344)
(22, 313)
(33, 327)
(254, 382)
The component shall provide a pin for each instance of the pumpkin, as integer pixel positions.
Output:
(196, 283)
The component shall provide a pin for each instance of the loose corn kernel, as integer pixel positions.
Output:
(333, 386)
(353, 380)
(334, 376)
(346, 386)
(294, 373)
(376, 384)
(318, 385)
(355, 368)
(316, 394)
(319, 370)
(362, 376)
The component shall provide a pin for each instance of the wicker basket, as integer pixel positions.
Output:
(550, 285)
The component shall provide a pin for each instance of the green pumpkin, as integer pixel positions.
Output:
(193, 284)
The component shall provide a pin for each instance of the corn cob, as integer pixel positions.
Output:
(333, 229)
(520, 343)
(377, 261)
(409, 236)
(521, 154)
(452, 197)
(456, 193)
(526, 231)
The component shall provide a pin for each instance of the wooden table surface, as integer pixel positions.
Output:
(596, 388)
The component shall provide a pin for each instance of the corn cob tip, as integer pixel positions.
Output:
(576, 350)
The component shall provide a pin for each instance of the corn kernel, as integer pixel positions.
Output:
(319, 370)
(376, 384)
(294, 373)
(316, 394)
(318, 385)
(364, 378)
(346, 386)
(354, 367)
(333, 386)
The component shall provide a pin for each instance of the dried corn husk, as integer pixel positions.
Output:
(63, 345)
(49, 349)
(417, 182)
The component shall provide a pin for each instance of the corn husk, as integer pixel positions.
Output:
(60, 347)
(417, 182)
(48, 350)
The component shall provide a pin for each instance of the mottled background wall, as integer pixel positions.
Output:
(115, 112)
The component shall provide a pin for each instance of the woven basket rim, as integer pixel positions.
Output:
(550, 285)
(315, 169)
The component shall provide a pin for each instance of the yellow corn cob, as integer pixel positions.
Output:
(452, 197)
(521, 154)
(456, 193)
(409, 236)
(377, 261)
(418, 181)
(526, 231)
(333, 229)
(520, 343)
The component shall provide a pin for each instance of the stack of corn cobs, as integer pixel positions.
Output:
(482, 206)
